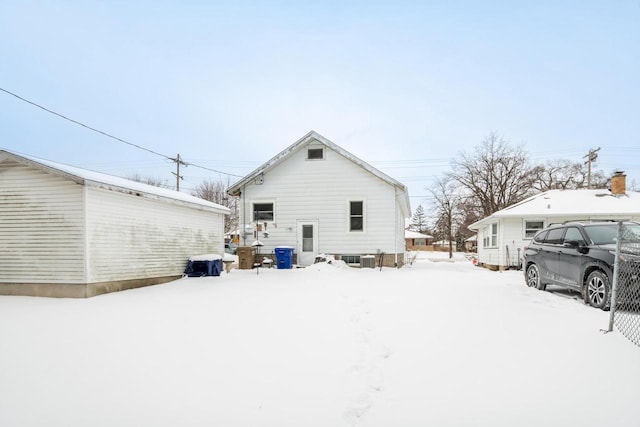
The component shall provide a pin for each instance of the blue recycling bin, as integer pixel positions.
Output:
(284, 257)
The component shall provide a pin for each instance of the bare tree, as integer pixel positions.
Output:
(495, 176)
(564, 174)
(156, 182)
(446, 200)
(216, 192)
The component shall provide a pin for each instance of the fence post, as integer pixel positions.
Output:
(614, 285)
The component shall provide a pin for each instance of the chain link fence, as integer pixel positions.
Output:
(625, 296)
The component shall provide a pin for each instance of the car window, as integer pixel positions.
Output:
(573, 234)
(555, 236)
(632, 233)
(602, 234)
(541, 236)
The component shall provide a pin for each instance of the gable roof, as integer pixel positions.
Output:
(313, 136)
(573, 203)
(110, 182)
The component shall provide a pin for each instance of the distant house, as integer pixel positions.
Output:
(416, 241)
(503, 235)
(318, 198)
(470, 244)
(70, 232)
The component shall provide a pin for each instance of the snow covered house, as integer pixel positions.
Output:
(503, 235)
(70, 232)
(318, 198)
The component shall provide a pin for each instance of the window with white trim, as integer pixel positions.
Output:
(532, 227)
(315, 154)
(490, 236)
(262, 212)
(356, 216)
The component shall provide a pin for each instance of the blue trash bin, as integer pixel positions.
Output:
(284, 257)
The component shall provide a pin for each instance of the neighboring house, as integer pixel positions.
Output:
(70, 232)
(416, 241)
(320, 199)
(471, 243)
(503, 235)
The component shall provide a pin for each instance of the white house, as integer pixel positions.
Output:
(70, 232)
(318, 198)
(503, 235)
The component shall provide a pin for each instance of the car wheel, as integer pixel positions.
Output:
(533, 278)
(598, 290)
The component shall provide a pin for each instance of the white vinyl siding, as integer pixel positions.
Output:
(318, 190)
(41, 227)
(135, 237)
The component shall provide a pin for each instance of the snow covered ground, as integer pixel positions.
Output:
(433, 344)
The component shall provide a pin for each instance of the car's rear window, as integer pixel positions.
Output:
(602, 234)
(607, 234)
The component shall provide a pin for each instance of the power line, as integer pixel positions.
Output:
(176, 159)
(82, 124)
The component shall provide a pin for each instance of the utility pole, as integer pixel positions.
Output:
(591, 156)
(178, 161)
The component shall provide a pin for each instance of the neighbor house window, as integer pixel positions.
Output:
(531, 228)
(490, 236)
(494, 234)
(315, 154)
(356, 216)
(419, 242)
(263, 212)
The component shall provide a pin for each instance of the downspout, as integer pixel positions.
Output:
(395, 236)
(241, 226)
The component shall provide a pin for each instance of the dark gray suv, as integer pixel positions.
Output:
(577, 256)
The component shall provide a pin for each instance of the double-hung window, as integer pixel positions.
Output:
(356, 216)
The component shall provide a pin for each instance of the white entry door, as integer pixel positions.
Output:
(307, 247)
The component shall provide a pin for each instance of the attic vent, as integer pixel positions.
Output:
(315, 154)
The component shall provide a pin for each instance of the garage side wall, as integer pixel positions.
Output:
(41, 229)
(130, 237)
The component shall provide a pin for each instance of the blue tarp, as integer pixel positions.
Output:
(204, 265)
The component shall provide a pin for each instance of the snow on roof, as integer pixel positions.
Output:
(555, 203)
(410, 234)
(111, 182)
(314, 136)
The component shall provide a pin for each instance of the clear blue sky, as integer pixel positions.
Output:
(406, 86)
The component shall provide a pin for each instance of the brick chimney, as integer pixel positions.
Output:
(619, 184)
